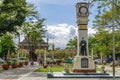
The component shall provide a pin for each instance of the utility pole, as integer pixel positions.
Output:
(113, 39)
(53, 51)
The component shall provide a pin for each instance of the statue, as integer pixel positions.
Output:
(83, 47)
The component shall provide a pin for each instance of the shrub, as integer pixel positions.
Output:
(59, 61)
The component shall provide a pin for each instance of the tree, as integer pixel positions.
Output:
(99, 42)
(104, 17)
(72, 43)
(13, 13)
(7, 45)
(103, 21)
(34, 32)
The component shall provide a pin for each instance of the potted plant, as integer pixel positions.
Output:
(26, 61)
(20, 64)
(45, 65)
(14, 64)
(6, 65)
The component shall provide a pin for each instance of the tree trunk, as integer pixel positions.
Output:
(31, 55)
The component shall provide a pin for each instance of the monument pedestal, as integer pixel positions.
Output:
(83, 64)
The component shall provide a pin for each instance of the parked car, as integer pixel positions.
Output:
(98, 61)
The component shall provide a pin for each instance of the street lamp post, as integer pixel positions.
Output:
(113, 39)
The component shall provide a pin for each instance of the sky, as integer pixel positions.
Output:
(60, 18)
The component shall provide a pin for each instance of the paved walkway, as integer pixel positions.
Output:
(107, 68)
(26, 73)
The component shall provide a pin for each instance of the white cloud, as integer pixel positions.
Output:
(91, 31)
(60, 34)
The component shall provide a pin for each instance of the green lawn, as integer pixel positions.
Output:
(58, 69)
(99, 69)
(54, 69)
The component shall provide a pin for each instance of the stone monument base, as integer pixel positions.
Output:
(83, 64)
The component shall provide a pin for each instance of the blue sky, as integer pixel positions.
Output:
(61, 19)
(58, 11)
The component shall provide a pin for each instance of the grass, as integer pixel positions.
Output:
(1, 70)
(99, 69)
(54, 69)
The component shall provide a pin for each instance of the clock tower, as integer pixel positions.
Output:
(82, 61)
(82, 13)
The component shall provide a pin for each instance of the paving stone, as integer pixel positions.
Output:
(26, 73)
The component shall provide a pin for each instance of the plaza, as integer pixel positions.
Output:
(27, 73)
(34, 48)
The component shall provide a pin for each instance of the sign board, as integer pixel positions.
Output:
(84, 63)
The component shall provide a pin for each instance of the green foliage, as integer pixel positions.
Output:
(14, 61)
(26, 59)
(7, 45)
(99, 69)
(12, 14)
(7, 63)
(59, 61)
(72, 43)
(34, 31)
(62, 54)
(104, 18)
(19, 16)
(101, 42)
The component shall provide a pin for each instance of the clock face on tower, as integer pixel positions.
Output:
(82, 13)
(83, 10)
